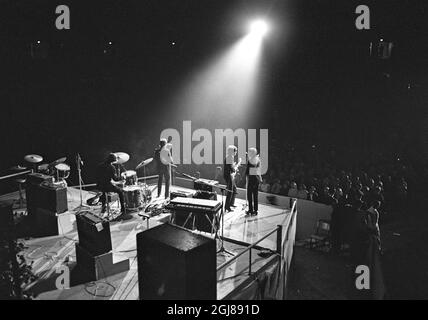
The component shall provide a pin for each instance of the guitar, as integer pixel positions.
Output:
(235, 168)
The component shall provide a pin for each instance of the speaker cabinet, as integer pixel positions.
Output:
(94, 233)
(52, 198)
(175, 264)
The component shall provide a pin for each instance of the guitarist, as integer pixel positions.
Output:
(253, 180)
(230, 168)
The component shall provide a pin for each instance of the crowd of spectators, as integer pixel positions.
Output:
(324, 181)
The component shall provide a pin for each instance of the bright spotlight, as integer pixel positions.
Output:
(259, 28)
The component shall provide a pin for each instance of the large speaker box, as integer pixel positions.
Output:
(94, 233)
(175, 264)
(48, 197)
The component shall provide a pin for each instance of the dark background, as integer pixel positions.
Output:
(320, 85)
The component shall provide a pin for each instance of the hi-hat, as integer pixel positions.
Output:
(122, 157)
(56, 162)
(144, 163)
(33, 158)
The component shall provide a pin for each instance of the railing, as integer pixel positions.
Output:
(278, 231)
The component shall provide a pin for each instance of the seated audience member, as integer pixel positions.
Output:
(313, 194)
(376, 195)
(292, 193)
(302, 193)
(326, 197)
(276, 187)
(285, 187)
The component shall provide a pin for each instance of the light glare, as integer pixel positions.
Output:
(259, 28)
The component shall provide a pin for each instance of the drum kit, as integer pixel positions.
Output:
(58, 169)
(136, 195)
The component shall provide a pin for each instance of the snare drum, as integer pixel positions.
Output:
(130, 178)
(134, 197)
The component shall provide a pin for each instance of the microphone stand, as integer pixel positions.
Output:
(79, 171)
(222, 249)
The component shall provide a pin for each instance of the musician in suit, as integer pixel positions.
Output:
(169, 146)
(106, 173)
(230, 168)
(163, 161)
(253, 179)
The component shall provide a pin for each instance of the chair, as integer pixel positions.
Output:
(111, 197)
(321, 237)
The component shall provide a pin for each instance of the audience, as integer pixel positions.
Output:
(293, 192)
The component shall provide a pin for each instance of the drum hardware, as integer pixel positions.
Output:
(122, 157)
(143, 164)
(18, 168)
(130, 177)
(62, 171)
(79, 172)
(33, 158)
(57, 162)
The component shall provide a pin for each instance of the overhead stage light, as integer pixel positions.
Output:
(259, 28)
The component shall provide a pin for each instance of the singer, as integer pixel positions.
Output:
(253, 179)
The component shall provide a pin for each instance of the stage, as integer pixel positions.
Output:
(270, 259)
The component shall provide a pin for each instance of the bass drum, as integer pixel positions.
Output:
(134, 198)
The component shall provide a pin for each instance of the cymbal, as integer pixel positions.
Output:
(56, 162)
(122, 157)
(18, 168)
(33, 158)
(62, 167)
(144, 163)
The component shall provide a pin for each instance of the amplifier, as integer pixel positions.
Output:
(38, 178)
(94, 233)
(204, 185)
(181, 194)
(48, 197)
(205, 195)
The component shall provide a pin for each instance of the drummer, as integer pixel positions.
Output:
(106, 172)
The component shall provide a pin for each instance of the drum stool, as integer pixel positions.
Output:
(111, 196)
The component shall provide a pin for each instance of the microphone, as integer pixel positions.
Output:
(79, 159)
